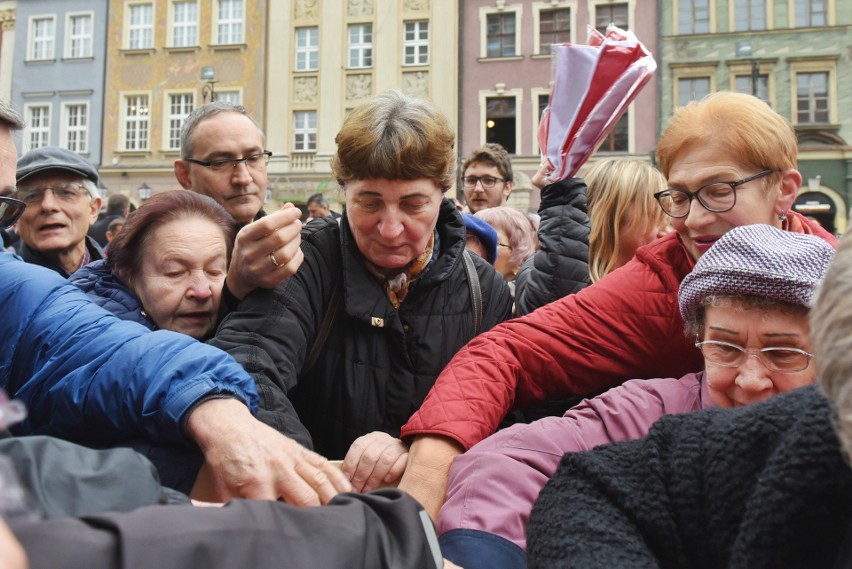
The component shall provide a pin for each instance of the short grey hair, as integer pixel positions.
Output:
(9, 117)
(204, 112)
(318, 199)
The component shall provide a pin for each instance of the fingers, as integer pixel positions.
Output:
(373, 460)
(318, 481)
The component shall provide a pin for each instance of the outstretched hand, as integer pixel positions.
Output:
(374, 459)
(266, 252)
(245, 458)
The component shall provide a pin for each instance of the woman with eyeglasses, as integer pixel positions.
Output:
(627, 324)
(383, 300)
(745, 306)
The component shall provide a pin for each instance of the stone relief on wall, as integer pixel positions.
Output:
(306, 9)
(305, 90)
(416, 5)
(359, 86)
(416, 84)
(360, 8)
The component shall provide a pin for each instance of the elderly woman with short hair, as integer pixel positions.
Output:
(383, 300)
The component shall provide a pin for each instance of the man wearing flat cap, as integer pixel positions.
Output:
(60, 190)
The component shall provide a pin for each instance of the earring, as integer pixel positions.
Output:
(782, 216)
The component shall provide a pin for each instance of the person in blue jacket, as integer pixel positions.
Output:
(91, 378)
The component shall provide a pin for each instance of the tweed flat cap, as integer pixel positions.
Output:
(758, 260)
(54, 158)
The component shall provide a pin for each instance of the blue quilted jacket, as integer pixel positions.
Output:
(108, 291)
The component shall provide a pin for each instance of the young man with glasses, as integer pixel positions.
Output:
(223, 156)
(60, 190)
(488, 178)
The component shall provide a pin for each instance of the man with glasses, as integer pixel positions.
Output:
(223, 156)
(487, 178)
(60, 190)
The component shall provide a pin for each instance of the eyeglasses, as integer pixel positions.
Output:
(506, 245)
(10, 210)
(487, 182)
(256, 162)
(66, 192)
(786, 360)
(717, 197)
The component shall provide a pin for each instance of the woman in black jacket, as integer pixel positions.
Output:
(382, 301)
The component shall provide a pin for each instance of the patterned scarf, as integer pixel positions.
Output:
(396, 284)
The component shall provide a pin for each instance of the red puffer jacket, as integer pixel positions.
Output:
(627, 325)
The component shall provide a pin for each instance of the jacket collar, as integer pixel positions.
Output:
(36, 258)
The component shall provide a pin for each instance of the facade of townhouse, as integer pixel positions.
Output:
(7, 47)
(793, 54)
(325, 57)
(505, 66)
(164, 58)
(58, 74)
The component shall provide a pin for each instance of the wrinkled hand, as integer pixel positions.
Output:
(540, 178)
(276, 234)
(374, 459)
(247, 459)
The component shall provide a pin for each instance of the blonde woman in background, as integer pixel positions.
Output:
(623, 213)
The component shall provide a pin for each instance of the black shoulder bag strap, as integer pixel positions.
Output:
(325, 327)
(475, 292)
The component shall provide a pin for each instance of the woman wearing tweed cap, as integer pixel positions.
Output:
(745, 306)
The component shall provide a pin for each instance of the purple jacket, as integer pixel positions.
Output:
(492, 486)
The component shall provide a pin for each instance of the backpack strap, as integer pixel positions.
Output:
(325, 327)
(475, 291)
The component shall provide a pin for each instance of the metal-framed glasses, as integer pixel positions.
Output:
(66, 192)
(717, 197)
(255, 162)
(785, 360)
(487, 182)
(10, 210)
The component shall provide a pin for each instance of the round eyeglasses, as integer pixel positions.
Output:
(785, 360)
(717, 197)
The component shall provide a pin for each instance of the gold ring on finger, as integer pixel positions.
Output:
(274, 260)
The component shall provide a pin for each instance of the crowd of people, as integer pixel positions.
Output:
(477, 386)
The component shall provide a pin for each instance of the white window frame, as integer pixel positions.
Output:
(518, 95)
(42, 48)
(178, 29)
(767, 16)
(230, 95)
(814, 66)
(711, 24)
(41, 130)
(229, 28)
(830, 15)
(73, 40)
(631, 11)
(309, 51)
(173, 121)
(302, 128)
(81, 130)
(140, 35)
(360, 49)
(538, 8)
(484, 12)
(140, 121)
(419, 47)
(535, 93)
(697, 73)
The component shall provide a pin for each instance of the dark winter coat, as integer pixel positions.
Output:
(35, 258)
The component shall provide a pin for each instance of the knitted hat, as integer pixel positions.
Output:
(55, 158)
(758, 260)
(486, 234)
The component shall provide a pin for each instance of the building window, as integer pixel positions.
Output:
(606, 14)
(184, 24)
(232, 97)
(747, 84)
(360, 45)
(693, 16)
(692, 89)
(42, 38)
(812, 98)
(180, 105)
(230, 21)
(136, 122)
(501, 35)
(140, 30)
(76, 126)
(79, 36)
(500, 122)
(38, 126)
(554, 27)
(307, 49)
(811, 13)
(415, 43)
(304, 131)
(749, 15)
(618, 139)
(543, 101)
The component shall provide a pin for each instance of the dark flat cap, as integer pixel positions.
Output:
(54, 158)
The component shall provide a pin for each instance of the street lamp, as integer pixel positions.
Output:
(144, 192)
(208, 74)
(744, 49)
